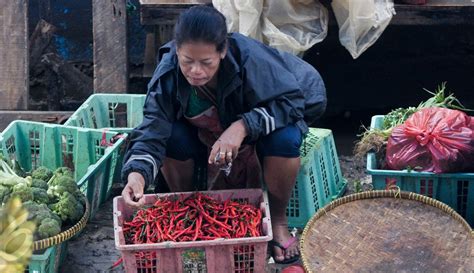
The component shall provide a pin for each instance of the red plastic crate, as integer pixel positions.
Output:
(220, 255)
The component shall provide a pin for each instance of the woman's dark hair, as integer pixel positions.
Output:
(201, 24)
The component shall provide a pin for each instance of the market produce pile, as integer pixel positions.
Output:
(52, 199)
(195, 218)
(434, 136)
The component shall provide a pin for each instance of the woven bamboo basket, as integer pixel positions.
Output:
(387, 231)
(65, 235)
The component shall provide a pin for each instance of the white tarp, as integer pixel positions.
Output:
(361, 22)
(292, 26)
(296, 25)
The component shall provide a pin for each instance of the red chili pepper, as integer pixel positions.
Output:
(183, 209)
(198, 227)
(117, 263)
(210, 219)
(176, 235)
(197, 217)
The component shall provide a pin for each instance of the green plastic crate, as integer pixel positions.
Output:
(35, 144)
(319, 180)
(454, 189)
(49, 261)
(118, 112)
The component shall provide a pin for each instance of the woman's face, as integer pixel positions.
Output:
(199, 61)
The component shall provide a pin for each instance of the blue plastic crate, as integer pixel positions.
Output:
(454, 189)
(319, 180)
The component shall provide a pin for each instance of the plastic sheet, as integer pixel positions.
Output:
(433, 139)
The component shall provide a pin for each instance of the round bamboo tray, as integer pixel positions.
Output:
(65, 235)
(387, 231)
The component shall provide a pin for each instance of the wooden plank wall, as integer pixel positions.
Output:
(14, 54)
(109, 19)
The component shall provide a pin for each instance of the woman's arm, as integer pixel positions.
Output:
(273, 94)
(147, 145)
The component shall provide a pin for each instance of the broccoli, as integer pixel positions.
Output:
(61, 184)
(42, 173)
(42, 215)
(78, 212)
(80, 197)
(40, 195)
(48, 228)
(4, 194)
(38, 183)
(35, 209)
(47, 214)
(23, 192)
(64, 171)
(62, 181)
(68, 207)
(9, 178)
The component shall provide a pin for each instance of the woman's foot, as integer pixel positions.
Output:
(285, 246)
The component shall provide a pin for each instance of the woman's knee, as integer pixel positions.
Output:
(284, 142)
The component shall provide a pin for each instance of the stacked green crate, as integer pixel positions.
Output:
(115, 112)
(319, 180)
(86, 151)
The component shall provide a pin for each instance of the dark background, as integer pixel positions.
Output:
(392, 73)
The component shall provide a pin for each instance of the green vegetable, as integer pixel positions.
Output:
(37, 183)
(40, 195)
(48, 228)
(439, 99)
(23, 192)
(62, 181)
(9, 178)
(17, 168)
(375, 140)
(50, 197)
(397, 117)
(62, 184)
(68, 208)
(63, 171)
(41, 214)
(4, 194)
(42, 173)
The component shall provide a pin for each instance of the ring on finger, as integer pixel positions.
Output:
(229, 154)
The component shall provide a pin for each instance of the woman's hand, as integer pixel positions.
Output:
(133, 192)
(226, 148)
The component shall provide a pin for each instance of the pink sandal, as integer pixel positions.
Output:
(284, 247)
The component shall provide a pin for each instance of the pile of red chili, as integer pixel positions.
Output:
(195, 218)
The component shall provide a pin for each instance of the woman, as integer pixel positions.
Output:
(234, 100)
